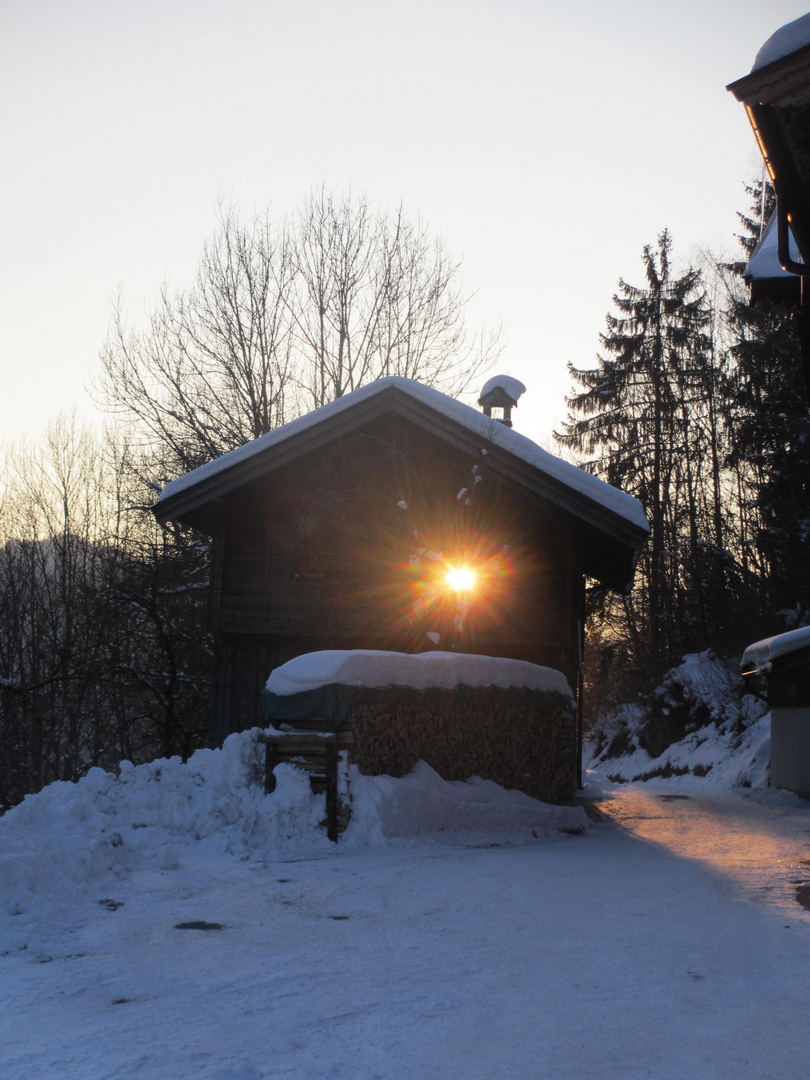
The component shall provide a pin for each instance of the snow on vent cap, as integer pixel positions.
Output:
(513, 388)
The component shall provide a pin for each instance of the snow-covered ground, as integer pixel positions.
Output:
(456, 931)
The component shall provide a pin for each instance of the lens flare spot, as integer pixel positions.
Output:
(460, 578)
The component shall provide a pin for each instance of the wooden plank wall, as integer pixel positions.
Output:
(319, 558)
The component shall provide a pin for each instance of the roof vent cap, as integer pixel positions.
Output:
(501, 392)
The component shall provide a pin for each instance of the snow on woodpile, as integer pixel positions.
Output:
(787, 39)
(488, 430)
(758, 658)
(418, 671)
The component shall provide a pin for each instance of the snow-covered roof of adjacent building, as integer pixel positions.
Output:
(788, 39)
(758, 658)
(247, 461)
(420, 671)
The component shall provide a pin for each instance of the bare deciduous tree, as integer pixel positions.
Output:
(212, 368)
(377, 296)
(283, 319)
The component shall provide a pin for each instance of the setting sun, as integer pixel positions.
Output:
(460, 578)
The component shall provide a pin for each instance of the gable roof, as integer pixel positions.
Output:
(586, 498)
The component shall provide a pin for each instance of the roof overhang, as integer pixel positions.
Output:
(776, 97)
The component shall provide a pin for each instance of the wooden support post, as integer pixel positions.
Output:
(332, 792)
(271, 759)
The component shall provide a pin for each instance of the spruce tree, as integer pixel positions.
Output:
(640, 422)
(769, 430)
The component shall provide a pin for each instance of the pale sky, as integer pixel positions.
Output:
(547, 143)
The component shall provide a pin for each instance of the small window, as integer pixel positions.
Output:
(277, 555)
(317, 548)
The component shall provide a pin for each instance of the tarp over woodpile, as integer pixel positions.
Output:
(504, 720)
(326, 683)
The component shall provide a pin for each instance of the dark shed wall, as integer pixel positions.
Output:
(320, 554)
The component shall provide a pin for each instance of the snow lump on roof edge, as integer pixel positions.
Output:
(788, 39)
(757, 658)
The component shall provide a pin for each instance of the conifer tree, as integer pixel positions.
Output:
(769, 430)
(641, 421)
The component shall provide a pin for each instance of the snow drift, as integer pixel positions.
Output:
(77, 840)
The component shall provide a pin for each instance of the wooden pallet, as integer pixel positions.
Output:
(308, 744)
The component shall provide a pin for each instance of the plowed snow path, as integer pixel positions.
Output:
(617, 954)
(761, 846)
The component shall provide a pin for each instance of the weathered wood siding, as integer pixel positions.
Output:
(322, 554)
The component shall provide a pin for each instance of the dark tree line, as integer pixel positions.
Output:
(696, 406)
(103, 655)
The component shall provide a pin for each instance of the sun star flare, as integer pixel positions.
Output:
(460, 578)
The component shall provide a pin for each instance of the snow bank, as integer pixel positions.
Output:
(725, 733)
(77, 838)
(422, 804)
(419, 671)
(711, 756)
(75, 841)
(787, 39)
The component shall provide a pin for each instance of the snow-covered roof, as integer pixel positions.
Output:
(787, 39)
(374, 668)
(489, 431)
(758, 658)
(513, 388)
(776, 94)
(764, 263)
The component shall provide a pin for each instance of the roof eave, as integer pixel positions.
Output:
(775, 82)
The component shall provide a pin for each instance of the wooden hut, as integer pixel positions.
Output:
(338, 530)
